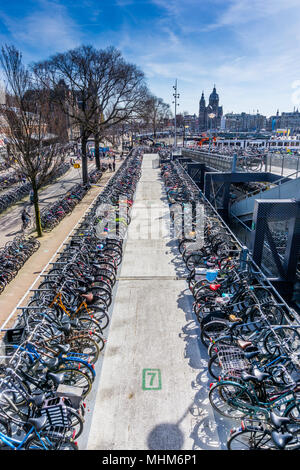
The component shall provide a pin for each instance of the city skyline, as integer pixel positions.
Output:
(249, 49)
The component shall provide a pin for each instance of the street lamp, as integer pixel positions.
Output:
(176, 97)
(211, 116)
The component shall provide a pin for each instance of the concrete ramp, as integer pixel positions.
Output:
(153, 391)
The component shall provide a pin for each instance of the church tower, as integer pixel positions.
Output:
(202, 114)
(214, 100)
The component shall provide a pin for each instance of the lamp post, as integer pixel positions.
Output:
(211, 117)
(176, 97)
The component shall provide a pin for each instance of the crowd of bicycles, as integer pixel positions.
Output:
(17, 193)
(13, 256)
(49, 356)
(52, 215)
(252, 337)
(16, 252)
(9, 179)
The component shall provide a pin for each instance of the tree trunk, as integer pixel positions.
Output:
(85, 174)
(37, 209)
(97, 152)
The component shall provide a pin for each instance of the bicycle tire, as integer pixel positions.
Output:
(35, 443)
(221, 392)
(250, 440)
(77, 378)
(279, 337)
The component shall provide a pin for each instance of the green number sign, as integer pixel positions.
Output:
(151, 379)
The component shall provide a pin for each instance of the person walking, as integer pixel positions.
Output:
(25, 216)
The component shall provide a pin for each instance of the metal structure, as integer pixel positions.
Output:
(274, 235)
(276, 240)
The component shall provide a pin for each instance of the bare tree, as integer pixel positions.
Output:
(155, 114)
(25, 119)
(103, 90)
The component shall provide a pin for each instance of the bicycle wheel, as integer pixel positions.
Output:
(212, 330)
(230, 399)
(75, 424)
(5, 428)
(77, 378)
(45, 442)
(86, 345)
(254, 439)
(100, 315)
(214, 367)
(273, 314)
(282, 339)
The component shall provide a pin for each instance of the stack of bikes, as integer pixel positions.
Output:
(55, 212)
(13, 256)
(252, 337)
(49, 357)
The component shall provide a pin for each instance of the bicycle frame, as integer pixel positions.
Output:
(18, 445)
(58, 301)
(64, 358)
(285, 398)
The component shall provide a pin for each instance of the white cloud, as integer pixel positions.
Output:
(48, 28)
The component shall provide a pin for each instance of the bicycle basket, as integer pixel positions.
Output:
(13, 336)
(56, 415)
(232, 360)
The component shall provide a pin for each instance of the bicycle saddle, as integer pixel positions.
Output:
(57, 378)
(52, 363)
(65, 328)
(243, 344)
(63, 348)
(38, 423)
(249, 354)
(257, 376)
(279, 421)
(88, 297)
(281, 439)
(74, 323)
(81, 290)
(37, 400)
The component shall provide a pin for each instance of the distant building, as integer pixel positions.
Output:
(289, 121)
(244, 122)
(213, 107)
(191, 120)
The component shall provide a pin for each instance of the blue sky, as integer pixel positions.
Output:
(249, 48)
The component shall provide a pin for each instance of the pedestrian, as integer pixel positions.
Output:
(31, 197)
(114, 165)
(25, 216)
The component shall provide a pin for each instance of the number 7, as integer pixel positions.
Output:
(152, 378)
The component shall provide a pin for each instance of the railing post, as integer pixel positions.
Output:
(244, 258)
(234, 161)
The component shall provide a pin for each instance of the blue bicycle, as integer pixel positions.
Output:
(37, 438)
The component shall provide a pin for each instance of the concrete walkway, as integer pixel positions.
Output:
(153, 386)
